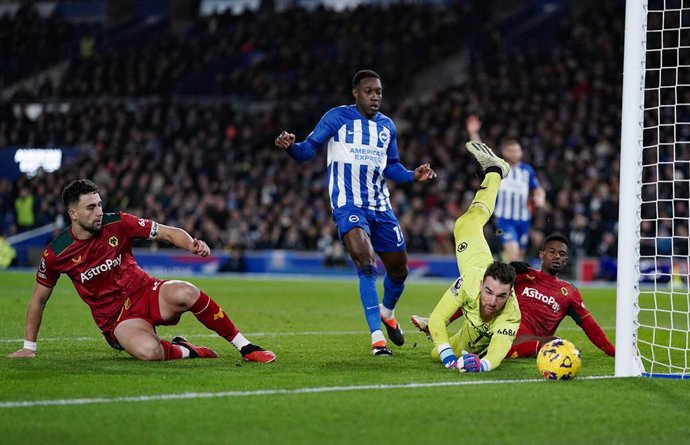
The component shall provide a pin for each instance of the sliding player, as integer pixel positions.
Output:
(127, 304)
(545, 300)
(484, 291)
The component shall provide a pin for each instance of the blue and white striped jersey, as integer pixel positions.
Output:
(359, 150)
(513, 195)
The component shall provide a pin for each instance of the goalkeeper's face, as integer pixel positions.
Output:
(492, 298)
(554, 257)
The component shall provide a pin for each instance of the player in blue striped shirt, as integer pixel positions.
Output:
(512, 214)
(362, 154)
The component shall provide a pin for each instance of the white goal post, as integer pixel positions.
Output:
(652, 301)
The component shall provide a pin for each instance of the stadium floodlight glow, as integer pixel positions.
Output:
(31, 159)
(652, 302)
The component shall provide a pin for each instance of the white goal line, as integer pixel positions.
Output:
(263, 392)
(261, 334)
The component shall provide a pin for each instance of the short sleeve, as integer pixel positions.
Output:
(138, 227)
(47, 274)
(392, 153)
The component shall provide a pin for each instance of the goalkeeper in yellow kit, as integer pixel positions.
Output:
(484, 290)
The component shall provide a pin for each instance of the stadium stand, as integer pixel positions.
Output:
(190, 144)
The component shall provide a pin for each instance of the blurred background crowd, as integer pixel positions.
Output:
(177, 123)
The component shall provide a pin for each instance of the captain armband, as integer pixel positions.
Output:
(154, 230)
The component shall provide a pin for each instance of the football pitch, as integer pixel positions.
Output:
(324, 388)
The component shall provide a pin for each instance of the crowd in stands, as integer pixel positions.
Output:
(30, 42)
(210, 166)
(246, 55)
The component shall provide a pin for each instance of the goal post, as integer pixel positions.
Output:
(652, 300)
(628, 277)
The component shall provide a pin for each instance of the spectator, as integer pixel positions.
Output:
(24, 208)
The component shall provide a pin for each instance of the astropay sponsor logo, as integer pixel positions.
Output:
(531, 292)
(104, 267)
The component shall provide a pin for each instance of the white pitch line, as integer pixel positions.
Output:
(263, 392)
(255, 334)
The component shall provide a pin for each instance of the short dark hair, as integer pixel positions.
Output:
(502, 272)
(76, 188)
(555, 237)
(363, 74)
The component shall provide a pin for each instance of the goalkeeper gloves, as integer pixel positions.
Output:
(471, 362)
(467, 362)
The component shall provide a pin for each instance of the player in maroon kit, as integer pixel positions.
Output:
(544, 301)
(126, 303)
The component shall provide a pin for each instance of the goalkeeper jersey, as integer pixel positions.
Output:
(490, 340)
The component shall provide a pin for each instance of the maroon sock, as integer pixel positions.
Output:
(170, 351)
(213, 317)
(524, 349)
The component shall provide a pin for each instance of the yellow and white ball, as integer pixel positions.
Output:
(559, 360)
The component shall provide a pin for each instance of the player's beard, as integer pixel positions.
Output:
(485, 313)
(553, 270)
(93, 229)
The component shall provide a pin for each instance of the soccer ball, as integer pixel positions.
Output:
(559, 360)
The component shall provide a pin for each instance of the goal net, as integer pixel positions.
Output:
(653, 303)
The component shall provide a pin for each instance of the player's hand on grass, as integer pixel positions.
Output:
(200, 248)
(285, 140)
(471, 362)
(423, 173)
(23, 353)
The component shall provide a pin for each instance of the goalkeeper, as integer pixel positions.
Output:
(484, 291)
(545, 300)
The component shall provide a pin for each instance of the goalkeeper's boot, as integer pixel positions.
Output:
(487, 158)
(254, 353)
(380, 348)
(394, 331)
(194, 351)
(422, 324)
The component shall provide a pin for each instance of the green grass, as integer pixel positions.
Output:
(318, 331)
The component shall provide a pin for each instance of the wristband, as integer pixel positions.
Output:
(446, 354)
(31, 345)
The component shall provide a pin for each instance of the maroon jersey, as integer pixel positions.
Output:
(544, 301)
(102, 268)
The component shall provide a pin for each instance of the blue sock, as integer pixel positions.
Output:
(392, 289)
(369, 296)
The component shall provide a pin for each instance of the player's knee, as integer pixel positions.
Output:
(459, 223)
(182, 294)
(397, 273)
(189, 293)
(148, 351)
(363, 259)
(463, 222)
